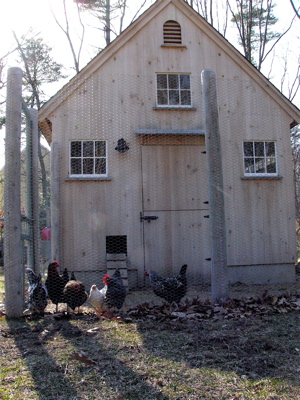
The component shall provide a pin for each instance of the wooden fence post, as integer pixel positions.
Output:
(35, 189)
(55, 203)
(13, 270)
(219, 273)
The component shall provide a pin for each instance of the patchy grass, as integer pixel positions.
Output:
(87, 358)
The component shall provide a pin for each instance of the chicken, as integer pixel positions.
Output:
(116, 291)
(171, 289)
(65, 277)
(97, 297)
(54, 284)
(73, 278)
(37, 293)
(74, 294)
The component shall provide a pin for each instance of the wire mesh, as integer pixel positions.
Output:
(129, 190)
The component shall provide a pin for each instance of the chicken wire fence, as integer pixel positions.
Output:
(155, 177)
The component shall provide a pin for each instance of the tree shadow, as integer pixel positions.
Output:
(42, 366)
(99, 367)
(261, 347)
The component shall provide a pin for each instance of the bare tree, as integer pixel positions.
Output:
(290, 86)
(213, 11)
(39, 68)
(110, 15)
(295, 9)
(254, 20)
(66, 31)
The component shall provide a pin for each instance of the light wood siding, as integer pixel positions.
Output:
(119, 98)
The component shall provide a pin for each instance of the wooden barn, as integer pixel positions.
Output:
(129, 180)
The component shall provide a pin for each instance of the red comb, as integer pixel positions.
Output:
(105, 278)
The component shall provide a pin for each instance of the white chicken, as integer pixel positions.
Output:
(97, 297)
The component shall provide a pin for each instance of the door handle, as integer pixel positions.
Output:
(148, 218)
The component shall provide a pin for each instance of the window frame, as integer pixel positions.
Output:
(82, 157)
(263, 157)
(169, 90)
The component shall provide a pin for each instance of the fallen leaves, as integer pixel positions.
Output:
(196, 309)
(82, 357)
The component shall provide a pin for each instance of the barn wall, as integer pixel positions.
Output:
(119, 98)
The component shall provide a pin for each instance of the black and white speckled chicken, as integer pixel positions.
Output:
(74, 294)
(171, 289)
(37, 293)
(116, 291)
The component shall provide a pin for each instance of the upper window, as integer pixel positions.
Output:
(172, 33)
(260, 158)
(88, 157)
(173, 90)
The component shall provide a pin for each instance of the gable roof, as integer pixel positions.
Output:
(130, 31)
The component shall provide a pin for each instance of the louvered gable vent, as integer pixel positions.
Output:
(172, 32)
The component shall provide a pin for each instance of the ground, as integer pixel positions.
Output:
(246, 349)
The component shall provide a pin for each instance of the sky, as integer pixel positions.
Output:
(21, 15)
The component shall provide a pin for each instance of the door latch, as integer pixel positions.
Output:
(148, 218)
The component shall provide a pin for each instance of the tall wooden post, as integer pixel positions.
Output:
(13, 270)
(55, 203)
(35, 188)
(32, 184)
(219, 272)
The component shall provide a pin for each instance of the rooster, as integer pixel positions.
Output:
(171, 289)
(74, 294)
(97, 297)
(54, 284)
(37, 293)
(116, 291)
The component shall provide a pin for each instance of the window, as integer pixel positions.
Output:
(260, 158)
(88, 157)
(173, 90)
(172, 33)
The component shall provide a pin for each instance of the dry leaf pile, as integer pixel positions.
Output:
(196, 309)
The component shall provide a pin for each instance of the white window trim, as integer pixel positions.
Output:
(88, 176)
(261, 174)
(173, 106)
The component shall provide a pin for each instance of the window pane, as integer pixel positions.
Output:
(100, 167)
(248, 149)
(186, 97)
(88, 149)
(173, 82)
(174, 97)
(260, 165)
(249, 165)
(88, 166)
(184, 82)
(270, 149)
(162, 81)
(75, 166)
(259, 149)
(100, 149)
(162, 97)
(75, 149)
(271, 165)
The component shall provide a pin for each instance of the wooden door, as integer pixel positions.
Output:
(175, 229)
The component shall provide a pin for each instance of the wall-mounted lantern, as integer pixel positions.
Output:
(122, 146)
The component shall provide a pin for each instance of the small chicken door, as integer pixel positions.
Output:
(175, 209)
